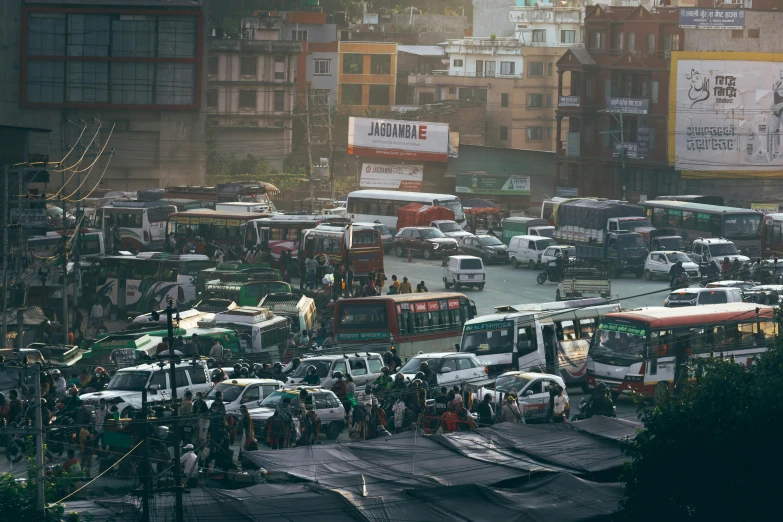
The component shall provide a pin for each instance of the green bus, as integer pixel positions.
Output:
(232, 269)
(244, 293)
(228, 337)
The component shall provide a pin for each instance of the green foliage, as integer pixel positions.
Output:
(710, 452)
(19, 498)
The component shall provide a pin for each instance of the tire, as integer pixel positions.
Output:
(446, 283)
(514, 262)
(639, 273)
(399, 251)
(428, 254)
(661, 393)
(531, 265)
(126, 412)
(648, 275)
(334, 429)
(577, 417)
(480, 287)
(541, 278)
(457, 286)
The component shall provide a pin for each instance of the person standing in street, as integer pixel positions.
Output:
(486, 415)
(405, 286)
(561, 406)
(96, 312)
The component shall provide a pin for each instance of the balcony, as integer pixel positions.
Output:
(256, 46)
(465, 74)
(545, 15)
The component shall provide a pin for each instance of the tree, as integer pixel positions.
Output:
(19, 498)
(712, 451)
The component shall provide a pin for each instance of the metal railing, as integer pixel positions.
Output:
(269, 46)
(467, 74)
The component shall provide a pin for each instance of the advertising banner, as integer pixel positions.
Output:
(502, 185)
(415, 140)
(766, 208)
(568, 101)
(627, 105)
(726, 112)
(395, 177)
(700, 18)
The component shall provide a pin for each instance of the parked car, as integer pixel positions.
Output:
(527, 250)
(363, 367)
(425, 241)
(450, 229)
(659, 263)
(705, 250)
(703, 296)
(451, 368)
(550, 254)
(125, 387)
(237, 392)
(531, 388)
(461, 271)
(387, 235)
(488, 248)
(742, 285)
(327, 406)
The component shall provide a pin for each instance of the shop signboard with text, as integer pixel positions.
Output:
(394, 177)
(501, 185)
(400, 139)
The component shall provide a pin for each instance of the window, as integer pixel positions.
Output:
(345, 36)
(631, 41)
(88, 82)
(618, 40)
(549, 68)
(279, 101)
(175, 83)
(177, 37)
(353, 64)
(375, 364)
(752, 33)
(197, 376)
(181, 378)
(452, 90)
(463, 363)
(88, 35)
(549, 133)
(535, 69)
(212, 66)
(159, 379)
(471, 94)
(358, 367)
(379, 95)
(322, 67)
(489, 69)
(539, 35)
(738, 33)
(359, 316)
(251, 395)
(671, 42)
(503, 133)
(247, 99)
(507, 67)
(322, 401)
(667, 184)
(504, 99)
(458, 62)
(351, 94)
(654, 91)
(651, 42)
(597, 40)
(212, 98)
(548, 100)
(426, 97)
(535, 100)
(46, 34)
(534, 133)
(133, 37)
(248, 65)
(567, 37)
(298, 35)
(380, 64)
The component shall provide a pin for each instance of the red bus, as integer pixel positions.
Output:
(771, 235)
(225, 228)
(641, 350)
(412, 323)
(361, 245)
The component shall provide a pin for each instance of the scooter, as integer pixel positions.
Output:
(551, 272)
(680, 282)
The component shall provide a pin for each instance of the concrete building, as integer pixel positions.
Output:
(252, 82)
(135, 67)
(367, 75)
(545, 25)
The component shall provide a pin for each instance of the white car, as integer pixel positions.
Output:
(327, 406)
(550, 254)
(532, 390)
(660, 262)
(451, 368)
(237, 392)
(462, 271)
(703, 296)
(705, 250)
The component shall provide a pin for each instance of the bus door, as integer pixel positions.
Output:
(549, 340)
(660, 364)
(571, 351)
(526, 354)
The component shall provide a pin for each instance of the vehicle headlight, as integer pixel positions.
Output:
(435, 246)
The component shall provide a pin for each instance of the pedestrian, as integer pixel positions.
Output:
(311, 270)
(405, 286)
(349, 274)
(248, 441)
(96, 313)
(282, 264)
(77, 320)
(217, 350)
(486, 415)
(395, 284)
(561, 406)
(86, 448)
(276, 431)
(189, 466)
(219, 256)
(369, 288)
(338, 285)
(510, 410)
(423, 287)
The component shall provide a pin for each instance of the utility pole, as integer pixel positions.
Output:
(309, 147)
(39, 454)
(6, 210)
(331, 147)
(20, 327)
(65, 263)
(146, 466)
(170, 310)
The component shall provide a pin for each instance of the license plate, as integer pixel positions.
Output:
(470, 276)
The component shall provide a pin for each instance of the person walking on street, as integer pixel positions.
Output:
(349, 273)
(311, 270)
(486, 415)
(510, 411)
(561, 406)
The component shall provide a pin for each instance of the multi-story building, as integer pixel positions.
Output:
(367, 75)
(252, 82)
(133, 67)
(613, 104)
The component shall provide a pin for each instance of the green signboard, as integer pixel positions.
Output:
(502, 185)
(363, 336)
(623, 328)
(489, 325)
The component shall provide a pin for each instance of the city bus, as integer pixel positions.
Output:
(382, 205)
(285, 231)
(694, 198)
(90, 245)
(140, 225)
(638, 351)
(698, 220)
(262, 334)
(143, 283)
(548, 337)
(772, 235)
(224, 228)
(241, 192)
(332, 245)
(243, 293)
(412, 323)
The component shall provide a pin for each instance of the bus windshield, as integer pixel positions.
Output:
(746, 226)
(496, 338)
(365, 316)
(619, 341)
(454, 205)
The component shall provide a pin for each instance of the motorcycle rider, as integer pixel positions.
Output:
(59, 383)
(383, 383)
(430, 377)
(295, 363)
(277, 372)
(601, 402)
(675, 273)
(559, 265)
(713, 270)
(312, 377)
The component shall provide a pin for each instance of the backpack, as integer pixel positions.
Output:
(339, 389)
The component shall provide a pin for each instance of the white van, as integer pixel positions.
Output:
(527, 250)
(459, 271)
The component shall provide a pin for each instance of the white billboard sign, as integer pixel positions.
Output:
(727, 114)
(401, 139)
(397, 177)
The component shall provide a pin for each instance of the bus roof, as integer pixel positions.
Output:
(553, 305)
(203, 212)
(406, 298)
(660, 317)
(687, 205)
(415, 197)
(552, 314)
(172, 257)
(135, 203)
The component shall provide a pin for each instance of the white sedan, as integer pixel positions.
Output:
(532, 391)
(660, 262)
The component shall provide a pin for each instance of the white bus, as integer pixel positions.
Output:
(550, 337)
(136, 225)
(261, 332)
(382, 205)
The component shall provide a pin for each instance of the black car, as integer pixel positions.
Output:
(489, 248)
(426, 241)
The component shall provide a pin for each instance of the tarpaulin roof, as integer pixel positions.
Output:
(594, 213)
(608, 427)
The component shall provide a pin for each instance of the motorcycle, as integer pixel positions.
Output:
(680, 282)
(551, 272)
(584, 410)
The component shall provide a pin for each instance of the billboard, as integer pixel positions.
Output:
(401, 139)
(627, 105)
(726, 113)
(701, 18)
(399, 177)
(500, 185)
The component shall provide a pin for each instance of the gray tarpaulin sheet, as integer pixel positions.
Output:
(594, 213)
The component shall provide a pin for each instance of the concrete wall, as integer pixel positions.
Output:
(769, 24)
(321, 81)
(316, 33)
(491, 16)
(433, 29)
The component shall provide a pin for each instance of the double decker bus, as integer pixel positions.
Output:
(643, 350)
(698, 220)
(285, 231)
(224, 228)
(381, 205)
(332, 245)
(138, 225)
(143, 283)
(412, 323)
(549, 337)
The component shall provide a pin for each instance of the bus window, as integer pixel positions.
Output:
(405, 321)
(169, 274)
(701, 340)
(659, 217)
(526, 340)
(364, 316)
(275, 233)
(674, 218)
(689, 220)
(253, 290)
(586, 328)
(365, 237)
(716, 225)
(566, 331)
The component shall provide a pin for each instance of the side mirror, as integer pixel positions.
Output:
(446, 369)
(153, 389)
(529, 393)
(456, 346)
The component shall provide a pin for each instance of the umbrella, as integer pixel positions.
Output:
(270, 189)
(478, 202)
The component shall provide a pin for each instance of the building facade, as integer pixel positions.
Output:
(134, 69)
(252, 83)
(367, 75)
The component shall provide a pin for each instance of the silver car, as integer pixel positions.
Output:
(327, 406)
